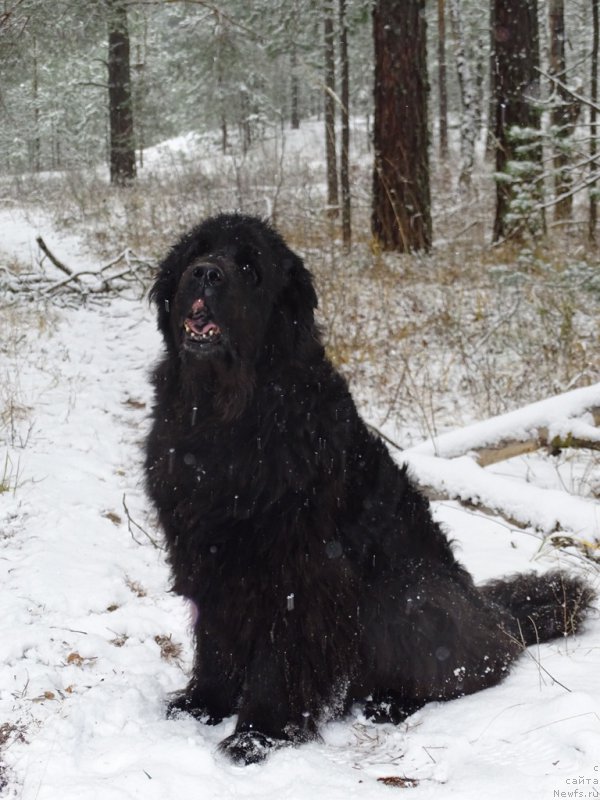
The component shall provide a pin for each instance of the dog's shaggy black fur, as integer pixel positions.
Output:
(318, 572)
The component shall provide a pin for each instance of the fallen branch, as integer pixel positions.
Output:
(46, 250)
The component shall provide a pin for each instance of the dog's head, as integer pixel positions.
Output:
(232, 292)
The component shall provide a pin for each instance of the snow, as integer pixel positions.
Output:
(84, 671)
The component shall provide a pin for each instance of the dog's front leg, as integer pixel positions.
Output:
(278, 705)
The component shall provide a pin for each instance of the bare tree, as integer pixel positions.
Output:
(593, 116)
(294, 88)
(442, 84)
(330, 98)
(345, 116)
(401, 214)
(36, 142)
(122, 142)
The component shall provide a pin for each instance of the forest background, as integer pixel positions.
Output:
(92, 82)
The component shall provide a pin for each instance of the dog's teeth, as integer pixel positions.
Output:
(199, 337)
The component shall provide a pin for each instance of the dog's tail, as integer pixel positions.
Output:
(544, 606)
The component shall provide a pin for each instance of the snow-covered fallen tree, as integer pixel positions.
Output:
(453, 465)
(567, 420)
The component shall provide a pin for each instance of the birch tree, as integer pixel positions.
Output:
(467, 93)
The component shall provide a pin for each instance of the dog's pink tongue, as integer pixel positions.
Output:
(210, 326)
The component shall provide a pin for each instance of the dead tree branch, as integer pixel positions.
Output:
(123, 274)
(46, 250)
(575, 95)
(131, 524)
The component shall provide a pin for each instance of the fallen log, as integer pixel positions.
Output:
(554, 423)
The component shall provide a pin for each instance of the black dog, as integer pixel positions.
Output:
(319, 574)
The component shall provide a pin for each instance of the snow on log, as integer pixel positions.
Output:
(566, 420)
(545, 510)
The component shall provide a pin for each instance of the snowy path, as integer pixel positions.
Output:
(90, 636)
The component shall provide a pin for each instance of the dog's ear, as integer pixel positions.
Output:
(298, 302)
(299, 292)
(162, 293)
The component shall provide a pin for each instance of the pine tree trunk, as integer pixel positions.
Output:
(345, 115)
(329, 113)
(401, 216)
(516, 59)
(593, 117)
(442, 84)
(122, 143)
(562, 110)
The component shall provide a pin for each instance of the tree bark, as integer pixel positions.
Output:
(515, 82)
(345, 116)
(401, 215)
(122, 142)
(329, 113)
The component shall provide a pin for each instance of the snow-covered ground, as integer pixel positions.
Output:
(91, 640)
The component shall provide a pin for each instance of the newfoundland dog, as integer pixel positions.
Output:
(319, 575)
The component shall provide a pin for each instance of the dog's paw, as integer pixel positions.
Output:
(185, 703)
(389, 709)
(249, 747)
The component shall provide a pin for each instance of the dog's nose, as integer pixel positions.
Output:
(209, 275)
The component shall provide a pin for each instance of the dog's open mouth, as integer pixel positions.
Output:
(199, 327)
